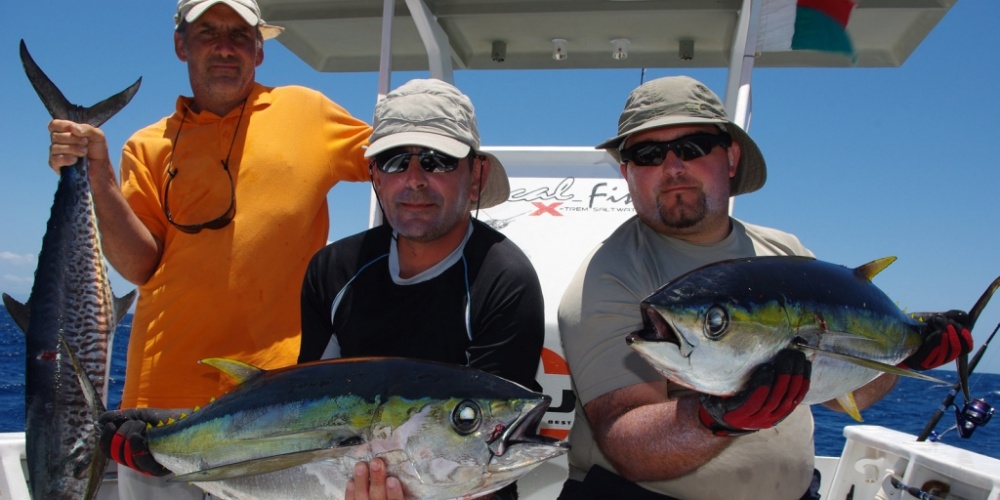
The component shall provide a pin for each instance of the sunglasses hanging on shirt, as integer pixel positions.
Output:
(227, 216)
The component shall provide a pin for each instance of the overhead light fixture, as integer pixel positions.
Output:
(620, 48)
(559, 49)
(499, 52)
(686, 49)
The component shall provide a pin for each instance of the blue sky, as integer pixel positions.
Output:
(863, 163)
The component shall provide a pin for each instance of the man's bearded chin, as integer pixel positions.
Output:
(684, 215)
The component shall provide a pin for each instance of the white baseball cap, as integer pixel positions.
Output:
(189, 10)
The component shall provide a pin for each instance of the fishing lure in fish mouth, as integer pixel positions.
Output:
(710, 328)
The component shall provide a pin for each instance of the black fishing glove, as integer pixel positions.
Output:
(946, 337)
(773, 391)
(123, 437)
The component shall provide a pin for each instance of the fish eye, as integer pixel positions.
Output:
(716, 322)
(466, 417)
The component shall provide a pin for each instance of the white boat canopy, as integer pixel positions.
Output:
(345, 35)
(446, 35)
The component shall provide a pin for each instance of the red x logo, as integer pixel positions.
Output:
(546, 209)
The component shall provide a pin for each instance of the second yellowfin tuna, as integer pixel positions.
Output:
(710, 328)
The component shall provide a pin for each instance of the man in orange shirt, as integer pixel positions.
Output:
(220, 207)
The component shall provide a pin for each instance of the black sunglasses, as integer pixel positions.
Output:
(396, 160)
(216, 223)
(687, 148)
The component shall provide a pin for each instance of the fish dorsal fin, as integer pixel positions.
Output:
(869, 270)
(18, 312)
(238, 370)
(122, 304)
(273, 463)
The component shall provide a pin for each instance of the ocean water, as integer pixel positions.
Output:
(907, 408)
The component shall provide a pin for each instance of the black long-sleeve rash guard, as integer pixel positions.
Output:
(485, 310)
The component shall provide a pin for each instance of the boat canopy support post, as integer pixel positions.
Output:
(738, 96)
(435, 41)
(385, 50)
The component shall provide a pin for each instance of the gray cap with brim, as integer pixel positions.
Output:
(435, 115)
(681, 100)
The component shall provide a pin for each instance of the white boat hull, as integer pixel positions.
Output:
(872, 456)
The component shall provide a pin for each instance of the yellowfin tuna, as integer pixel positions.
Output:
(710, 328)
(445, 431)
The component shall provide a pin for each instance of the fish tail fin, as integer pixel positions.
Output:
(977, 308)
(60, 107)
(869, 270)
(962, 367)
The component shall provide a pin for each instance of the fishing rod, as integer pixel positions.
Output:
(954, 390)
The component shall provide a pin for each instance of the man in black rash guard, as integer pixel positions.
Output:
(433, 282)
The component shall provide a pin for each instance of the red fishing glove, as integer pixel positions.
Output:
(945, 338)
(771, 394)
(123, 437)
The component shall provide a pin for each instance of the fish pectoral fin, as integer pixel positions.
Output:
(850, 406)
(256, 466)
(846, 341)
(340, 443)
(94, 402)
(874, 365)
(329, 437)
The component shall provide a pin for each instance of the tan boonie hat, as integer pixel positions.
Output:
(681, 100)
(436, 115)
(189, 10)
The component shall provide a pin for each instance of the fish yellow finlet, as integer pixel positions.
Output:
(850, 406)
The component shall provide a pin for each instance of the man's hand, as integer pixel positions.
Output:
(71, 141)
(123, 437)
(771, 394)
(372, 482)
(946, 337)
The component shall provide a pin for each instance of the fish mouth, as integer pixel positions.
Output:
(523, 431)
(657, 329)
